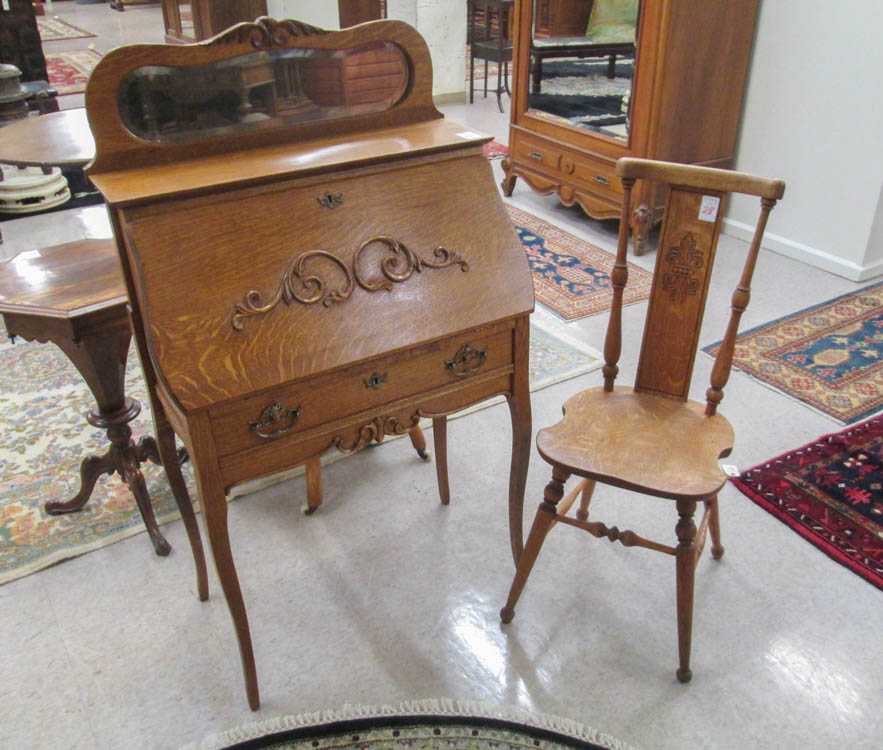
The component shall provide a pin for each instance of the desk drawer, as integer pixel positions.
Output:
(284, 412)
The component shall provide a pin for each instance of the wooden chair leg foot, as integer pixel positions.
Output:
(714, 526)
(686, 568)
(543, 521)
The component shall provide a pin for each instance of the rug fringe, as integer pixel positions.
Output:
(444, 707)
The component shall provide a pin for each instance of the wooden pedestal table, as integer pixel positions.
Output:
(73, 295)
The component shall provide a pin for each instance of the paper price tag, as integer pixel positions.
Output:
(730, 470)
(468, 134)
(6, 5)
(708, 208)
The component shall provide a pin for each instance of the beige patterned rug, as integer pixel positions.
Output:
(70, 71)
(45, 436)
(54, 29)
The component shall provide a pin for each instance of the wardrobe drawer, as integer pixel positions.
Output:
(597, 175)
(538, 154)
(290, 410)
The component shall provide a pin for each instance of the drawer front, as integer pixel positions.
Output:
(596, 175)
(286, 412)
(538, 155)
(578, 169)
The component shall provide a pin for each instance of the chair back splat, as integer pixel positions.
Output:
(687, 245)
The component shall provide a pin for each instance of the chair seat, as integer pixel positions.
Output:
(652, 444)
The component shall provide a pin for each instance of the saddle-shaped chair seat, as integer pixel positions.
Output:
(640, 441)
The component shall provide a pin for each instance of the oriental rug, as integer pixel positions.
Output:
(494, 150)
(570, 275)
(831, 493)
(54, 30)
(829, 356)
(444, 723)
(43, 401)
(69, 71)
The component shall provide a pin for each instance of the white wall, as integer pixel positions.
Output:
(322, 13)
(441, 22)
(814, 116)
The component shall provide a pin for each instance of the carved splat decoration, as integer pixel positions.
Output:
(265, 33)
(685, 263)
(683, 269)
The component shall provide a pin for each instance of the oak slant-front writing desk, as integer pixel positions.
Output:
(309, 281)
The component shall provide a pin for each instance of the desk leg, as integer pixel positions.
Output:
(519, 409)
(100, 356)
(214, 509)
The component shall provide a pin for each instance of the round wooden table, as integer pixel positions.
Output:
(59, 139)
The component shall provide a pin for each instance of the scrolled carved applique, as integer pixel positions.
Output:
(401, 262)
(683, 272)
(266, 32)
(296, 286)
(375, 431)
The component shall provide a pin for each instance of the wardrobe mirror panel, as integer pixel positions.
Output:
(582, 63)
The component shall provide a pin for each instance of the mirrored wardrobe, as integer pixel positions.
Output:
(596, 80)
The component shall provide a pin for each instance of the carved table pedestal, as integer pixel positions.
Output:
(73, 296)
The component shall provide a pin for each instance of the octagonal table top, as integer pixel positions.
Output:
(63, 281)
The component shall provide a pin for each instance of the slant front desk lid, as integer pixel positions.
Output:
(289, 202)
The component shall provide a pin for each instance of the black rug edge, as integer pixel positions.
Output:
(356, 725)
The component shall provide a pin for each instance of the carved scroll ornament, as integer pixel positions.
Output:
(266, 32)
(298, 285)
(374, 431)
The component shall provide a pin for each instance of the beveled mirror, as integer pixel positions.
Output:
(266, 89)
(582, 63)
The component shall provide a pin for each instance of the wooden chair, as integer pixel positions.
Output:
(489, 35)
(651, 438)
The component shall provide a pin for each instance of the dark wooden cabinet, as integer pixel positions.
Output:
(562, 17)
(681, 100)
(188, 22)
(353, 12)
(20, 43)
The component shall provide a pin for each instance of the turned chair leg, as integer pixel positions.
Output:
(440, 443)
(314, 485)
(585, 498)
(543, 521)
(418, 440)
(686, 569)
(714, 526)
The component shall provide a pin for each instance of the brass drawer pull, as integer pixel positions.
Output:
(467, 361)
(273, 416)
(330, 200)
(376, 380)
(601, 180)
(536, 155)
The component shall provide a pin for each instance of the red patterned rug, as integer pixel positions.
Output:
(831, 493)
(69, 71)
(494, 150)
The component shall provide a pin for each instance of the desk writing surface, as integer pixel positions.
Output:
(198, 259)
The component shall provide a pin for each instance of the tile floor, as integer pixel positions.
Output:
(385, 596)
